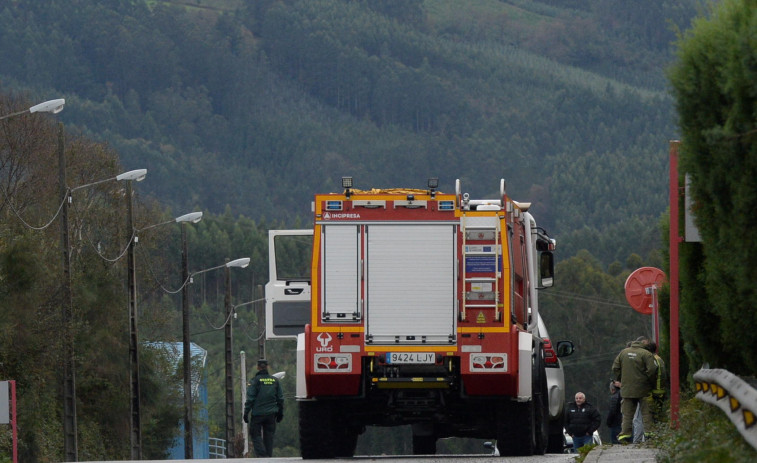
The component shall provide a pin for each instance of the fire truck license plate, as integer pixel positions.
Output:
(410, 357)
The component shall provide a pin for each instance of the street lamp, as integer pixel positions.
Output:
(51, 106)
(136, 415)
(69, 367)
(228, 337)
(230, 369)
(69, 384)
(187, 278)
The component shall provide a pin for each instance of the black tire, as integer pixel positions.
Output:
(316, 439)
(516, 433)
(541, 404)
(345, 441)
(424, 445)
(523, 428)
(502, 428)
(556, 442)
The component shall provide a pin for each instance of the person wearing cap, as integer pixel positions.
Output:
(263, 408)
(635, 368)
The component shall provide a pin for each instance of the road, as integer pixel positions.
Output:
(550, 458)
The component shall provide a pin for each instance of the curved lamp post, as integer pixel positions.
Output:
(51, 106)
(187, 278)
(230, 371)
(69, 367)
(136, 414)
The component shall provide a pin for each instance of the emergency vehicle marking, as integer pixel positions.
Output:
(324, 339)
(341, 215)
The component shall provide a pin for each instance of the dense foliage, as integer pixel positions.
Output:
(721, 441)
(245, 109)
(32, 296)
(260, 106)
(715, 87)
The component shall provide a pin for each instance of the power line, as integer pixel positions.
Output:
(7, 199)
(585, 298)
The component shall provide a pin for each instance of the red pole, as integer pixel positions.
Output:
(675, 387)
(655, 315)
(13, 420)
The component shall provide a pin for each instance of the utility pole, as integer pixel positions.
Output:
(188, 450)
(229, 368)
(136, 426)
(69, 367)
(259, 315)
(243, 374)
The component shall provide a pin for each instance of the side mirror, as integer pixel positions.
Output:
(546, 269)
(565, 348)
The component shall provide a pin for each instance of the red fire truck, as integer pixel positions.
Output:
(417, 308)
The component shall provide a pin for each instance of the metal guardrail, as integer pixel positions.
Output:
(216, 448)
(733, 395)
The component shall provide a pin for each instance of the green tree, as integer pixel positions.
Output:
(715, 88)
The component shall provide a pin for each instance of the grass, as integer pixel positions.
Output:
(704, 435)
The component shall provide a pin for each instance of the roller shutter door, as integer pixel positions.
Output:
(410, 284)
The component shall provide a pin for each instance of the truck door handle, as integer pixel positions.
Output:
(292, 291)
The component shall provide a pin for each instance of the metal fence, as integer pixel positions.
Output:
(217, 448)
(733, 395)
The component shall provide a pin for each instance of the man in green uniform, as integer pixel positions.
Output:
(636, 369)
(265, 406)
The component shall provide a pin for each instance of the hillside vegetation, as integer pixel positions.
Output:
(245, 109)
(260, 106)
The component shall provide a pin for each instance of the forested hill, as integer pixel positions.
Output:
(256, 105)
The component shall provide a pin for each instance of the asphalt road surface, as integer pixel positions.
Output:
(549, 458)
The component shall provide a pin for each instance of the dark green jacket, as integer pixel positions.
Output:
(636, 369)
(264, 395)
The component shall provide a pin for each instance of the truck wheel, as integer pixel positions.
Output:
(522, 428)
(541, 405)
(316, 431)
(516, 435)
(424, 445)
(525, 429)
(345, 441)
(556, 443)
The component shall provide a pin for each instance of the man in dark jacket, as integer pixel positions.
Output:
(614, 416)
(265, 405)
(636, 370)
(581, 420)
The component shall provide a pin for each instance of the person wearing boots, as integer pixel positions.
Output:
(263, 408)
(635, 368)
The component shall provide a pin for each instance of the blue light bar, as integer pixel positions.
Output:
(446, 205)
(333, 205)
